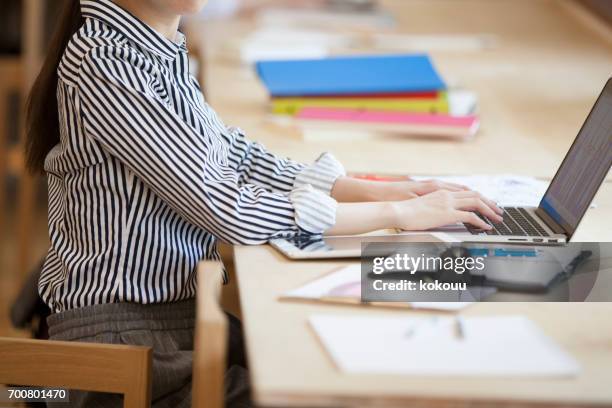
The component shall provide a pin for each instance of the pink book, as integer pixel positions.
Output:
(417, 124)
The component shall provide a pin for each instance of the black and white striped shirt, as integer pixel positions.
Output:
(147, 178)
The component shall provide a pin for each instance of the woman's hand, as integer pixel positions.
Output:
(445, 207)
(406, 190)
(432, 210)
(352, 190)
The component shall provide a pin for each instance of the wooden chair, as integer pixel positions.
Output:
(84, 366)
(210, 345)
(126, 369)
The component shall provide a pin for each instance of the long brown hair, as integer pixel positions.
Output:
(42, 121)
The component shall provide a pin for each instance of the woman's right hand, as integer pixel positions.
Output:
(429, 211)
(443, 207)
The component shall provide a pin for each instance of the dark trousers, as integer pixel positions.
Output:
(169, 330)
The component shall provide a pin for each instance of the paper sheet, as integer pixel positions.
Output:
(504, 346)
(271, 43)
(346, 283)
(324, 19)
(507, 190)
(435, 42)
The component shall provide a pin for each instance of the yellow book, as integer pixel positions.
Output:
(293, 105)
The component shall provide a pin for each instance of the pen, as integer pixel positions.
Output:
(413, 329)
(460, 328)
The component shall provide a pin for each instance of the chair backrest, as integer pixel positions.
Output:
(109, 368)
(210, 344)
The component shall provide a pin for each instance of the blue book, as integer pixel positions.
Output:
(350, 75)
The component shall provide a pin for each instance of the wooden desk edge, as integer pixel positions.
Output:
(296, 399)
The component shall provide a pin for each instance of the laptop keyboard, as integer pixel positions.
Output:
(517, 221)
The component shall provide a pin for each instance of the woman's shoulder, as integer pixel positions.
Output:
(94, 40)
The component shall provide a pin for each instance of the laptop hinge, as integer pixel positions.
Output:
(549, 221)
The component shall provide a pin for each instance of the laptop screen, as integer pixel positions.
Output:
(584, 168)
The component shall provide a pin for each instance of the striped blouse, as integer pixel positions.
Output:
(146, 177)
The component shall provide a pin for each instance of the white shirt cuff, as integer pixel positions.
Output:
(321, 175)
(315, 211)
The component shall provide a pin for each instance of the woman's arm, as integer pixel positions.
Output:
(429, 211)
(125, 117)
(254, 164)
(351, 190)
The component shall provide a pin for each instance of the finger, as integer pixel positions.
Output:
(456, 187)
(476, 204)
(471, 218)
(492, 204)
(466, 194)
(475, 194)
(430, 186)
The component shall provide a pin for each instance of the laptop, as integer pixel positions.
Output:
(553, 222)
(570, 193)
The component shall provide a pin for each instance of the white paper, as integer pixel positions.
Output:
(324, 19)
(270, 43)
(253, 51)
(435, 42)
(219, 9)
(507, 190)
(504, 346)
(462, 102)
(346, 283)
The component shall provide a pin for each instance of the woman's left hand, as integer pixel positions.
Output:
(349, 189)
(406, 190)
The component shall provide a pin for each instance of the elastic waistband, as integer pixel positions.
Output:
(91, 320)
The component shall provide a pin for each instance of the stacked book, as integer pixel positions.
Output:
(390, 93)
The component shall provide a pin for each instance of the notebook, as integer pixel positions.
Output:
(343, 286)
(351, 123)
(350, 75)
(292, 106)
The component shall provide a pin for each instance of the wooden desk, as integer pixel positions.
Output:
(290, 367)
(536, 88)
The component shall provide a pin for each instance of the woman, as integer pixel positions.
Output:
(144, 178)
